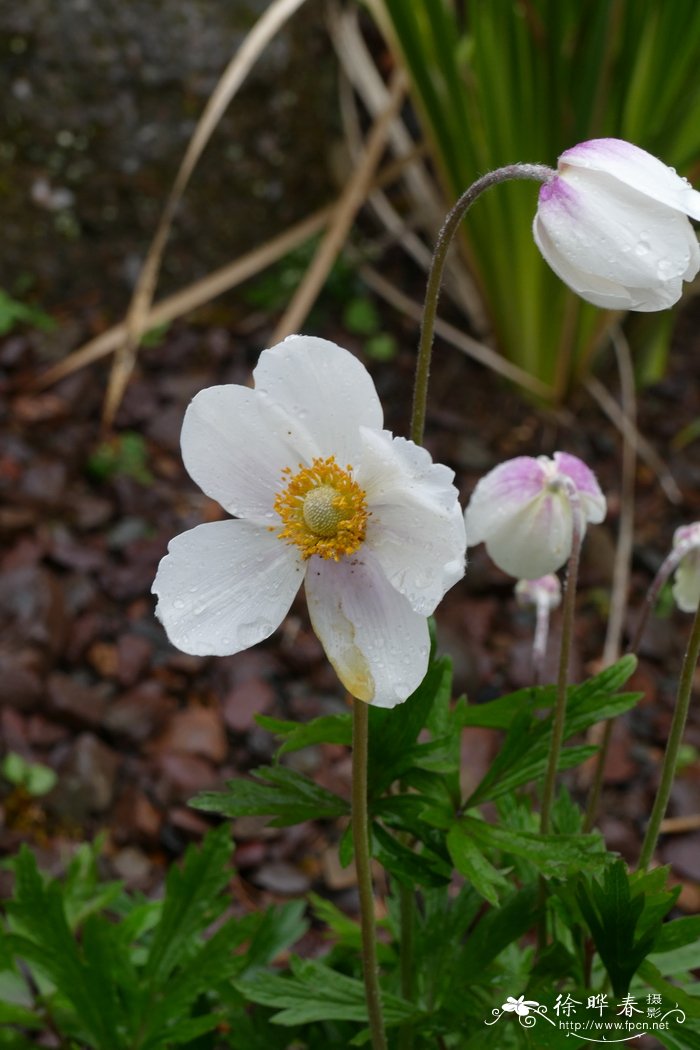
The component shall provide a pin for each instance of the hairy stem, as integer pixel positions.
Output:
(567, 631)
(602, 734)
(360, 836)
(668, 771)
(538, 172)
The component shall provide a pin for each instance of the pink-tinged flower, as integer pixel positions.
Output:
(612, 224)
(543, 592)
(686, 583)
(321, 495)
(522, 511)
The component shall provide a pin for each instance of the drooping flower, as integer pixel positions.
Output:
(522, 511)
(322, 495)
(612, 224)
(686, 582)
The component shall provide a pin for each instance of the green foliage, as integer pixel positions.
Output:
(313, 992)
(118, 973)
(275, 791)
(109, 971)
(125, 454)
(14, 313)
(524, 754)
(500, 82)
(623, 920)
(35, 778)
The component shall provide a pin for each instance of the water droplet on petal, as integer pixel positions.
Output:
(178, 604)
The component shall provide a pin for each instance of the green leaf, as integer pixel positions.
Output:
(671, 992)
(314, 992)
(11, 1013)
(13, 313)
(192, 899)
(46, 941)
(498, 928)
(284, 794)
(525, 752)
(407, 865)
(329, 729)
(392, 734)
(469, 861)
(615, 917)
(36, 778)
(548, 853)
(278, 928)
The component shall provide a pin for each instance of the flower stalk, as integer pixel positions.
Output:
(569, 606)
(538, 172)
(360, 836)
(668, 771)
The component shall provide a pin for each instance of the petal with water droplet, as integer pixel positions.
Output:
(377, 644)
(239, 600)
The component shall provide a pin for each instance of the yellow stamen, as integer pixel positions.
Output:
(323, 510)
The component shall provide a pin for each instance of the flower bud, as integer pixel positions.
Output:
(612, 224)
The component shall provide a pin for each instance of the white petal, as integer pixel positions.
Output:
(605, 228)
(230, 451)
(592, 499)
(225, 586)
(637, 169)
(316, 396)
(686, 584)
(501, 495)
(536, 540)
(377, 644)
(415, 527)
(608, 295)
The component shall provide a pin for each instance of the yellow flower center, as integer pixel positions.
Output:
(323, 510)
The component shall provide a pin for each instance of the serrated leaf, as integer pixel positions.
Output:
(525, 752)
(469, 861)
(498, 928)
(46, 941)
(278, 928)
(313, 992)
(329, 729)
(392, 734)
(406, 865)
(548, 853)
(623, 936)
(192, 898)
(169, 1004)
(276, 791)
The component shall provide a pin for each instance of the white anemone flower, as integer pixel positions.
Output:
(686, 582)
(522, 510)
(321, 495)
(612, 224)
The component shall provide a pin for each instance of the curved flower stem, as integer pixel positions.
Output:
(668, 565)
(538, 172)
(668, 772)
(569, 606)
(360, 837)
